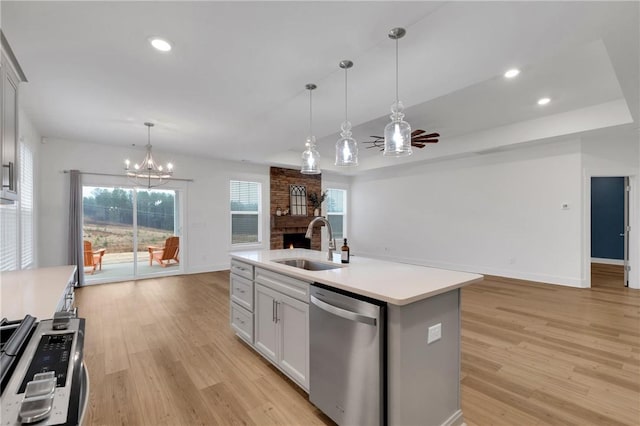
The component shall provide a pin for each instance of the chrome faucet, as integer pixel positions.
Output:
(332, 241)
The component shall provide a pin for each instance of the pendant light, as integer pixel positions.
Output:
(346, 147)
(310, 156)
(397, 134)
(149, 173)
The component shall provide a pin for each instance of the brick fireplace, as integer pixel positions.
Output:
(287, 224)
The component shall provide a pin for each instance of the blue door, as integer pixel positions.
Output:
(607, 217)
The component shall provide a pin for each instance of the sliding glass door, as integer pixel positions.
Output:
(157, 231)
(126, 231)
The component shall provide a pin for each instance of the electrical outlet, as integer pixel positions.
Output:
(435, 333)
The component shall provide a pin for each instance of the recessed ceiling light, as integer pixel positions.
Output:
(543, 101)
(160, 44)
(512, 73)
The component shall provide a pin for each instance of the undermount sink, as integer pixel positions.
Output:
(309, 265)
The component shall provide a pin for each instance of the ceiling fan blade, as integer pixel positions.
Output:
(418, 145)
(377, 137)
(431, 135)
(429, 141)
(417, 132)
(423, 138)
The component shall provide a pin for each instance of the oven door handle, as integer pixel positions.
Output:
(84, 399)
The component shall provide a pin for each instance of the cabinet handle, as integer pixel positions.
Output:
(273, 310)
(277, 319)
(11, 184)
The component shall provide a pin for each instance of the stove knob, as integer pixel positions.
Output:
(37, 388)
(35, 409)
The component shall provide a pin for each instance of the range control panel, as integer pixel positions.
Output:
(52, 355)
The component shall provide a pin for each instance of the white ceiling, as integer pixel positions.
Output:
(233, 86)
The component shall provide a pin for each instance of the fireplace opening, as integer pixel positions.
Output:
(295, 241)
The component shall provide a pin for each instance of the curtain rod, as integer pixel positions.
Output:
(114, 175)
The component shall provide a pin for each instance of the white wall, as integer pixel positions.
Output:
(496, 214)
(206, 232)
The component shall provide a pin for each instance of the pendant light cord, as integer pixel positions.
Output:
(345, 95)
(397, 97)
(310, 113)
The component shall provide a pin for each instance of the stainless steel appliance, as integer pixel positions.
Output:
(347, 356)
(44, 378)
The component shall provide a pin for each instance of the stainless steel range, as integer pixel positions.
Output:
(44, 379)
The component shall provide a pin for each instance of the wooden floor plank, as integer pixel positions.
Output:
(161, 352)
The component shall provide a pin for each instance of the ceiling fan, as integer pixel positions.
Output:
(418, 139)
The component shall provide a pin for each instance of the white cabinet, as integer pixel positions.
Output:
(241, 299)
(282, 323)
(265, 322)
(9, 74)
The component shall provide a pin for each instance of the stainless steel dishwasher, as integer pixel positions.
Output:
(346, 357)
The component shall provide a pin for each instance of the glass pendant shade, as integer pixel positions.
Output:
(310, 158)
(397, 134)
(310, 155)
(346, 147)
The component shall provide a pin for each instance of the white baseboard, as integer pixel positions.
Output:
(607, 261)
(207, 268)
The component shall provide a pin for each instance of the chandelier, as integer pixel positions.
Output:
(149, 173)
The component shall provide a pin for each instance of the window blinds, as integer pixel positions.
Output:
(26, 207)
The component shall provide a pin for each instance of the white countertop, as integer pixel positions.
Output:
(36, 292)
(392, 282)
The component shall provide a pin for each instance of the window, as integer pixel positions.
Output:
(245, 212)
(337, 212)
(26, 207)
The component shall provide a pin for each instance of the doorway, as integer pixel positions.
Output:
(609, 231)
(126, 228)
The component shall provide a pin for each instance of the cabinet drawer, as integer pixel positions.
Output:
(242, 322)
(290, 286)
(241, 291)
(242, 269)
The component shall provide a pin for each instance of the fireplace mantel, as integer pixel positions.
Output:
(287, 222)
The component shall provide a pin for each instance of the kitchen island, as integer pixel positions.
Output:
(422, 323)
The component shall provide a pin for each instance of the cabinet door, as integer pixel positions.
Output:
(293, 321)
(9, 132)
(265, 330)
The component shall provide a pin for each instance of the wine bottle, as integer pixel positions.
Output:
(345, 252)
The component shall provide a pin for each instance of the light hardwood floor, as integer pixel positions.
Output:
(160, 351)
